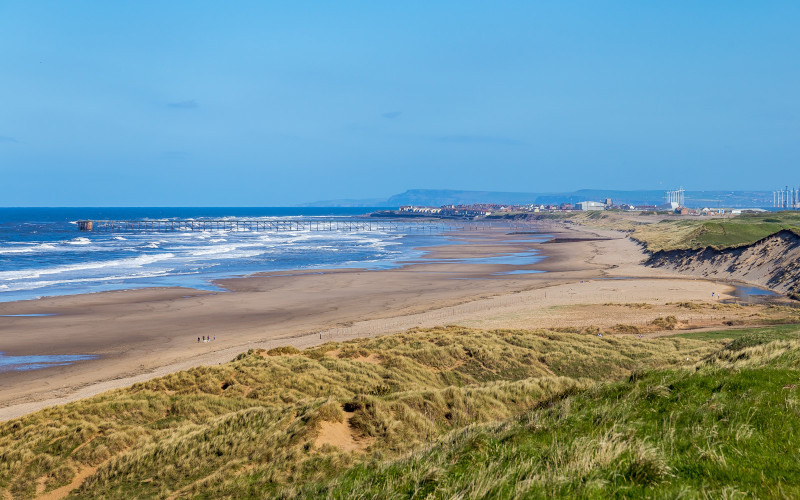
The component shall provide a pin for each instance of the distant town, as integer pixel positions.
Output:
(673, 203)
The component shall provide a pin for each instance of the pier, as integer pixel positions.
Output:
(272, 225)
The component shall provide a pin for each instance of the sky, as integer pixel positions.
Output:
(265, 103)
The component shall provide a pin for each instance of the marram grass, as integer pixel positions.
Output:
(436, 412)
(726, 428)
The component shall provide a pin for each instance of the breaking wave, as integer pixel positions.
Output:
(49, 259)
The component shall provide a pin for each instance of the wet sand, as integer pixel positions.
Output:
(140, 334)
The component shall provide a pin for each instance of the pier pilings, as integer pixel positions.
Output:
(281, 225)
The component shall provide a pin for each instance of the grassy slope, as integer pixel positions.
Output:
(723, 233)
(726, 429)
(688, 232)
(778, 332)
(248, 427)
(719, 233)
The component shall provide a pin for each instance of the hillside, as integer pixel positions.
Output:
(724, 428)
(683, 234)
(270, 420)
(657, 232)
(439, 413)
(773, 261)
(762, 249)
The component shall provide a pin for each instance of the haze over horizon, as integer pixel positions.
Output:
(196, 104)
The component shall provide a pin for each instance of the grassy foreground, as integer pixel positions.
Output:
(727, 428)
(252, 427)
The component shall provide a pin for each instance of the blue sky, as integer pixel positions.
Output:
(267, 104)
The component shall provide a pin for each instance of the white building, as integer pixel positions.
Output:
(671, 206)
(591, 205)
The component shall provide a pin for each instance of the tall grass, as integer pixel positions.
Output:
(727, 428)
(248, 427)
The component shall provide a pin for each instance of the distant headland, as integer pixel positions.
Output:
(441, 197)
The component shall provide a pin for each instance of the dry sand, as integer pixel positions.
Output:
(140, 334)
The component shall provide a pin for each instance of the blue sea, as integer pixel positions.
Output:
(42, 253)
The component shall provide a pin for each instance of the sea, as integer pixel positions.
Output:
(42, 252)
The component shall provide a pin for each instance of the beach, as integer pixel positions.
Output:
(477, 279)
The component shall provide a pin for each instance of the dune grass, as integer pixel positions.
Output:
(726, 428)
(682, 233)
(695, 233)
(777, 332)
(248, 427)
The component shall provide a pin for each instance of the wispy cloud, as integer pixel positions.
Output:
(392, 114)
(477, 139)
(190, 104)
(7, 139)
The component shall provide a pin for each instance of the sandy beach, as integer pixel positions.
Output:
(140, 334)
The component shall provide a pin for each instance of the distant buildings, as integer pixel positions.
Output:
(671, 205)
(479, 210)
(678, 197)
(420, 210)
(591, 205)
(789, 197)
(452, 210)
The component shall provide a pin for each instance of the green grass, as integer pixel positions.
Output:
(726, 429)
(737, 232)
(247, 428)
(682, 233)
(718, 233)
(442, 413)
(779, 332)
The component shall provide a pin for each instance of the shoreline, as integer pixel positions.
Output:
(210, 284)
(154, 330)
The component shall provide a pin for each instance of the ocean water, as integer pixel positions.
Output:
(38, 362)
(42, 253)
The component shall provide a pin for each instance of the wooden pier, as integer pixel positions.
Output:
(272, 225)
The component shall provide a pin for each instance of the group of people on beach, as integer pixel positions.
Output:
(206, 338)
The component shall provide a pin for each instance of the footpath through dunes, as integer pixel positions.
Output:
(271, 421)
(725, 427)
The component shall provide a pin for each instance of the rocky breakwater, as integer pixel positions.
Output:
(773, 262)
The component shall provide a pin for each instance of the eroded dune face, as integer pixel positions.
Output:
(773, 262)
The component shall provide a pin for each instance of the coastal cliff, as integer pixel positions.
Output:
(773, 262)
